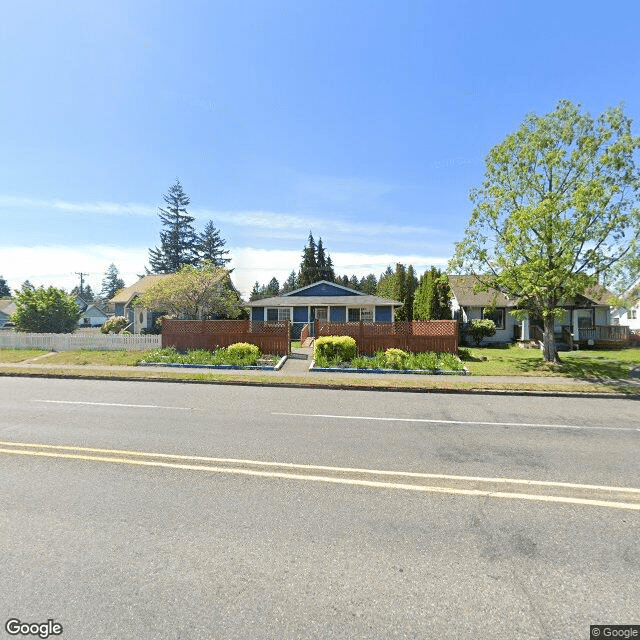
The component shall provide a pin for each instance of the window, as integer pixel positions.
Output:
(497, 315)
(278, 313)
(632, 314)
(362, 314)
(321, 314)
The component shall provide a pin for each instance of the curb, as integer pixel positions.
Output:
(428, 372)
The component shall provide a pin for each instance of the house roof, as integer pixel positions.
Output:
(7, 305)
(462, 288)
(124, 295)
(334, 285)
(360, 300)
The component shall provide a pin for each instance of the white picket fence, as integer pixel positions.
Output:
(73, 341)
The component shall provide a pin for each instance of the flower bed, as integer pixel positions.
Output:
(393, 361)
(240, 356)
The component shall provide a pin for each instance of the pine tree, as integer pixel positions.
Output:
(210, 246)
(400, 291)
(433, 297)
(111, 283)
(329, 273)
(256, 292)
(369, 284)
(178, 240)
(5, 292)
(290, 284)
(308, 267)
(273, 288)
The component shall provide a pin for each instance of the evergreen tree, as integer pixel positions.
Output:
(369, 284)
(5, 292)
(354, 283)
(433, 297)
(256, 292)
(273, 288)
(329, 272)
(111, 283)
(400, 291)
(290, 284)
(210, 246)
(411, 285)
(178, 240)
(308, 267)
(27, 285)
(86, 294)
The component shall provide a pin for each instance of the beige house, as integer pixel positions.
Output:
(124, 303)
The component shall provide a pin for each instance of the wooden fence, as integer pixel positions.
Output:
(440, 336)
(73, 341)
(270, 337)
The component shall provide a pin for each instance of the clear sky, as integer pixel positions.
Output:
(365, 122)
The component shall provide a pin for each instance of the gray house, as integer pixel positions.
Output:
(323, 301)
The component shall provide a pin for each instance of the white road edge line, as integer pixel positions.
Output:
(463, 422)
(114, 404)
(346, 481)
(290, 465)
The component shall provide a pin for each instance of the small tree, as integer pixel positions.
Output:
(194, 293)
(111, 283)
(178, 240)
(45, 311)
(481, 329)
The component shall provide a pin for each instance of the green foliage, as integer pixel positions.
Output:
(194, 293)
(395, 358)
(5, 292)
(210, 246)
(178, 240)
(433, 298)
(340, 348)
(111, 283)
(115, 324)
(240, 354)
(481, 329)
(45, 311)
(557, 211)
(399, 285)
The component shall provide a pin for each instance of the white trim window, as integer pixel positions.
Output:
(275, 314)
(497, 315)
(360, 314)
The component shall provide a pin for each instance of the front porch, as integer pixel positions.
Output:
(613, 336)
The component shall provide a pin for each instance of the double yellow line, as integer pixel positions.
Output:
(503, 488)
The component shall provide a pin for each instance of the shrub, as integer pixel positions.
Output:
(396, 358)
(481, 329)
(335, 348)
(450, 362)
(115, 324)
(425, 360)
(242, 353)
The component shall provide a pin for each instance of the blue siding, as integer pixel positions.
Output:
(300, 314)
(383, 314)
(119, 308)
(338, 314)
(257, 314)
(323, 290)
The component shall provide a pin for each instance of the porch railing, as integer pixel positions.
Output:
(606, 333)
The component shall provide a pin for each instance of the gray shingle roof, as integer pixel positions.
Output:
(319, 301)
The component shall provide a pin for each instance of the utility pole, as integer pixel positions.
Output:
(79, 273)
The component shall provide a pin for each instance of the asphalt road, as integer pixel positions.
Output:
(293, 513)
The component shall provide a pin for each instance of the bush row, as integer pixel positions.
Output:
(336, 351)
(240, 354)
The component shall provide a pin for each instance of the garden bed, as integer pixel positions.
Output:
(228, 358)
(393, 361)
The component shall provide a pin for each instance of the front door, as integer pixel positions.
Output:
(318, 314)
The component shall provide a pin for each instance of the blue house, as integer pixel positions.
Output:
(321, 302)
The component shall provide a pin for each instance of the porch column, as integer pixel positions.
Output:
(525, 329)
(576, 330)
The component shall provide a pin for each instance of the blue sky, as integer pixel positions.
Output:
(365, 122)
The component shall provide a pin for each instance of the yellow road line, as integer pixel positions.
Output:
(345, 481)
(290, 465)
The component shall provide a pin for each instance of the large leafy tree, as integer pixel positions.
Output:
(432, 299)
(45, 310)
(557, 212)
(178, 239)
(211, 246)
(194, 293)
(111, 283)
(5, 292)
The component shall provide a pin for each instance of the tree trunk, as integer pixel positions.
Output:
(549, 352)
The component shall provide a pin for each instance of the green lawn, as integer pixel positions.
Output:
(19, 355)
(513, 361)
(90, 356)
